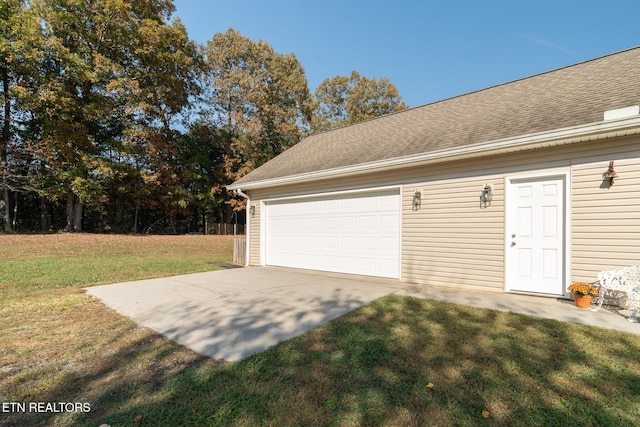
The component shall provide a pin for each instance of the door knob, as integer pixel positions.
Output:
(513, 244)
(513, 236)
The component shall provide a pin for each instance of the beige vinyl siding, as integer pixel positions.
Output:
(605, 222)
(254, 234)
(452, 240)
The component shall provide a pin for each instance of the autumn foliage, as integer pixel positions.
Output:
(115, 121)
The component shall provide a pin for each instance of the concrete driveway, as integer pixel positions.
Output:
(232, 314)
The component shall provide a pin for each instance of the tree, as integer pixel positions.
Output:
(259, 98)
(93, 94)
(344, 100)
(204, 149)
(19, 51)
(114, 72)
(161, 87)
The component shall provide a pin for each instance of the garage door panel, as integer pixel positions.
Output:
(329, 206)
(389, 244)
(330, 263)
(367, 264)
(315, 241)
(348, 242)
(348, 263)
(347, 205)
(330, 222)
(389, 222)
(368, 222)
(279, 225)
(368, 204)
(387, 203)
(368, 243)
(388, 267)
(348, 223)
(351, 233)
(330, 242)
(314, 223)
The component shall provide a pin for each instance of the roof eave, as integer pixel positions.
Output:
(569, 135)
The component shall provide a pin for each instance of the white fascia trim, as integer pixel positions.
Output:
(543, 139)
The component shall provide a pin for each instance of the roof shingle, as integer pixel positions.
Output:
(570, 96)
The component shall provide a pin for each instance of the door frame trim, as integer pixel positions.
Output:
(564, 173)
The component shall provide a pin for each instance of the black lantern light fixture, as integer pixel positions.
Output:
(252, 210)
(486, 195)
(417, 200)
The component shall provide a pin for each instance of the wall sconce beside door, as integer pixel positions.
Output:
(486, 196)
(252, 210)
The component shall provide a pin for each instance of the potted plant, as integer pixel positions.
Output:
(582, 293)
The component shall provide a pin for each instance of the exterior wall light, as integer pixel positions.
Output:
(252, 210)
(610, 174)
(486, 195)
(417, 200)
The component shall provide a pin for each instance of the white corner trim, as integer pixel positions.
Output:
(263, 246)
(543, 139)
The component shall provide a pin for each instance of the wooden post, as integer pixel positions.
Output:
(239, 251)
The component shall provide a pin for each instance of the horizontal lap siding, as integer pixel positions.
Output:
(451, 240)
(605, 221)
(254, 235)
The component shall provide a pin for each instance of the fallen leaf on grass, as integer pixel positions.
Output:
(137, 419)
(485, 413)
(430, 385)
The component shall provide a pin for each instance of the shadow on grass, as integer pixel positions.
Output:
(372, 367)
(101, 384)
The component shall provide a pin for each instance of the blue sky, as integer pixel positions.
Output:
(431, 50)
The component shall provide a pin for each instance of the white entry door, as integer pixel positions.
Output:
(535, 235)
(357, 233)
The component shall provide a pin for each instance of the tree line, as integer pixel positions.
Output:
(113, 120)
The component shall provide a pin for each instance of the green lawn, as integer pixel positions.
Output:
(369, 367)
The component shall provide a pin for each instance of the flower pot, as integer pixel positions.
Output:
(582, 302)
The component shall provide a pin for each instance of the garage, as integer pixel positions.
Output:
(355, 233)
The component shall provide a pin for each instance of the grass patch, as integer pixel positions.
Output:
(369, 367)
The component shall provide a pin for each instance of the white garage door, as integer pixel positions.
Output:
(351, 233)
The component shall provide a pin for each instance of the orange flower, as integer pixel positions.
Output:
(583, 289)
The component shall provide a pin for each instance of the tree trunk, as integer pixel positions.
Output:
(74, 212)
(70, 197)
(77, 215)
(14, 218)
(172, 223)
(204, 222)
(135, 220)
(4, 144)
(6, 196)
(43, 214)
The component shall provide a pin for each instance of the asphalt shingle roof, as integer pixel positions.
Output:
(574, 95)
